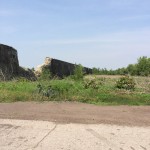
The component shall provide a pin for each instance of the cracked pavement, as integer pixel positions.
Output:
(73, 126)
(42, 135)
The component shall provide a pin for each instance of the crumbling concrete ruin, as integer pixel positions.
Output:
(59, 68)
(9, 64)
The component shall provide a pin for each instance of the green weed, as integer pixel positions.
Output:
(95, 90)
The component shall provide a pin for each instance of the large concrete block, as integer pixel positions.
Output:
(9, 63)
(59, 68)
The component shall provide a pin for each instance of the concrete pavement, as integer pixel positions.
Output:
(44, 135)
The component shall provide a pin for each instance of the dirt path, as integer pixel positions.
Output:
(69, 112)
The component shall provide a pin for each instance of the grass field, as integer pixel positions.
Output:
(101, 91)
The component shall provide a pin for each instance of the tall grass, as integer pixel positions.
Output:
(68, 89)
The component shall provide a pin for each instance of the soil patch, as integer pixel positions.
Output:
(73, 112)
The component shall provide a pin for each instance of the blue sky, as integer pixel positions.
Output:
(96, 33)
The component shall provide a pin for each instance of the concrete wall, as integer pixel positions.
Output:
(9, 65)
(9, 60)
(61, 68)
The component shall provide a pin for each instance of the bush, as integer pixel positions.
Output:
(126, 83)
(78, 72)
(93, 83)
(55, 88)
(46, 91)
(45, 75)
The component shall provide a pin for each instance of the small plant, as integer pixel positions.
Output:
(46, 91)
(126, 83)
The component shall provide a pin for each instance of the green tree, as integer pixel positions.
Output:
(143, 66)
(132, 69)
(95, 71)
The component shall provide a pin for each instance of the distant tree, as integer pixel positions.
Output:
(95, 71)
(122, 71)
(132, 69)
(111, 72)
(143, 66)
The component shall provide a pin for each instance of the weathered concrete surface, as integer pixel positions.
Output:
(46, 64)
(59, 68)
(40, 135)
(27, 73)
(9, 64)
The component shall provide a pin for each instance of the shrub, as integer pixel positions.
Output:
(46, 91)
(93, 83)
(45, 75)
(78, 72)
(126, 83)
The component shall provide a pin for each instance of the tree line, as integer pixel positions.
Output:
(141, 68)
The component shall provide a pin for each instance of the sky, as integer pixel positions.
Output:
(95, 33)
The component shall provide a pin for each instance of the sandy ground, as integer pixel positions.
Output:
(70, 112)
